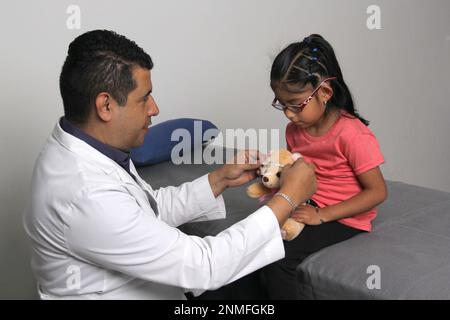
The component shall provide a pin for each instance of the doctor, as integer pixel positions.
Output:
(98, 230)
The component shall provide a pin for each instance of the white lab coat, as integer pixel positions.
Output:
(95, 234)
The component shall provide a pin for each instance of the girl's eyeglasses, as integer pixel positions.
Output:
(297, 108)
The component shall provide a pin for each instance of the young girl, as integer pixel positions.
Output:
(327, 131)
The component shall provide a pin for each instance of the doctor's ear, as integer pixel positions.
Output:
(103, 106)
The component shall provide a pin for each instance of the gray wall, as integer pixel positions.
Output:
(212, 61)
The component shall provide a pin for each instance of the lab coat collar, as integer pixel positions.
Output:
(106, 164)
(119, 156)
(88, 153)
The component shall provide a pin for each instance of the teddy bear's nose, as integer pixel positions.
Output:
(265, 179)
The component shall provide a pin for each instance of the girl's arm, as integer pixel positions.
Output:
(374, 192)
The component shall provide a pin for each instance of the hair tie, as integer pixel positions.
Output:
(314, 53)
(307, 40)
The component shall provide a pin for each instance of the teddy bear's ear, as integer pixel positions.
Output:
(257, 190)
(285, 157)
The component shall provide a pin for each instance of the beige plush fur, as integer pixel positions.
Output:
(270, 171)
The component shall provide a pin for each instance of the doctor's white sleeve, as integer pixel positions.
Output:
(109, 229)
(189, 202)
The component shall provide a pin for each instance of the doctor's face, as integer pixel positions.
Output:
(133, 119)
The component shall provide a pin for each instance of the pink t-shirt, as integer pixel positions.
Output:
(348, 149)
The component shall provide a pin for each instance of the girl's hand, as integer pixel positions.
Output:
(307, 214)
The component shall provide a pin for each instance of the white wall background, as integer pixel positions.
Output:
(212, 61)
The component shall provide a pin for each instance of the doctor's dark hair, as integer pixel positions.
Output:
(311, 61)
(99, 61)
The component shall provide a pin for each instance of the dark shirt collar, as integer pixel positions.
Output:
(120, 157)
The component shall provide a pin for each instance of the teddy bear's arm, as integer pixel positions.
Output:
(257, 190)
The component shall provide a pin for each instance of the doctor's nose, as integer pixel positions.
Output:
(153, 109)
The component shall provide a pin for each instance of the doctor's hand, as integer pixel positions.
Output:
(298, 183)
(236, 172)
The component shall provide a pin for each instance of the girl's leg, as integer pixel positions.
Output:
(280, 277)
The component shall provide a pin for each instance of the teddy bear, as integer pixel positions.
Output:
(270, 172)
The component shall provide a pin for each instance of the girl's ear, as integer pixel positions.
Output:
(326, 93)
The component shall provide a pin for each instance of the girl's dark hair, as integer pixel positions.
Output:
(311, 61)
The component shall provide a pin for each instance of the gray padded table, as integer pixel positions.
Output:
(410, 242)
